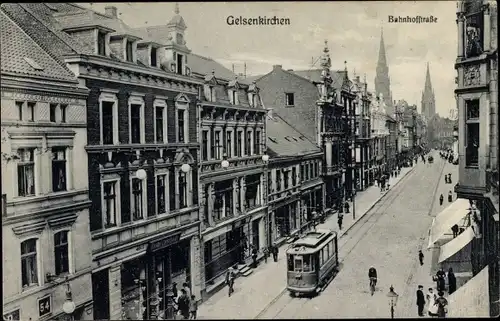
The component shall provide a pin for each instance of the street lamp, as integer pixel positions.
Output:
(224, 163)
(141, 174)
(185, 168)
(393, 300)
(69, 306)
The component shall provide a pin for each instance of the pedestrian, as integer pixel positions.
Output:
(420, 301)
(421, 257)
(183, 303)
(454, 229)
(230, 280)
(346, 206)
(276, 252)
(446, 179)
(450, 197)
(441, 199)
(440, 275)
(441, 305)
(174, 289)
(266, 254)
(339, 220)
(254, 257)
(449, 178)
(431, 297)
(193, 307)
(452, 281)
(186, 288)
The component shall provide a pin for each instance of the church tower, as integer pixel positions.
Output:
(382, 80)
(175, 52)
(428, 99)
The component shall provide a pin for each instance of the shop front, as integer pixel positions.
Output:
(286, 220)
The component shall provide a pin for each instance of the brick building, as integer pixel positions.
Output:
(45, 217)
(295, 186)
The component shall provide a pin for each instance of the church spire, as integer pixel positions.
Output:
(382, 80)
(428, 100)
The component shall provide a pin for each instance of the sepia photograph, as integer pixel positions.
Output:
(250, 160)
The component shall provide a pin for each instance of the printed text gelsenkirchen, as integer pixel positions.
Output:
(413, 19)
(257, 21)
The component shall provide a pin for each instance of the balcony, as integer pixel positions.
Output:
(245, 162)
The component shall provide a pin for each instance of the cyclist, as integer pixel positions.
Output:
(372, 274)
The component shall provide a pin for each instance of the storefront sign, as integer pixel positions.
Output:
(163, 243)
(44, 306)
(12, 316)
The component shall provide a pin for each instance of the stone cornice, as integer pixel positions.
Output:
(33, 228)
(62, 220)
(16, 84)
(106, 69)
(42, 213)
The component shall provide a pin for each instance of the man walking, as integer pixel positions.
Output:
(339, 220)
(275, 253)
(420, 301)
(230, 280)
(421, 257)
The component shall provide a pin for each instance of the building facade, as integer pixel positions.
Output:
(477, 102)
(45, 217)
(392, 143)
(379, 135)
(143, 160)
(295, 186)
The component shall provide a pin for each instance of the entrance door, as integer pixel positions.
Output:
(100, 289)
(255, 234)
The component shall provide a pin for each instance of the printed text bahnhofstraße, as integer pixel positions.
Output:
(412, 19)
(257, 21)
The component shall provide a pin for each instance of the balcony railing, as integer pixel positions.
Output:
(215, 165)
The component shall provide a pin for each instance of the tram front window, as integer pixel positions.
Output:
(300, 263)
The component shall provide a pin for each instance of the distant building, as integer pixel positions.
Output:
(45, 219)
(379, 134)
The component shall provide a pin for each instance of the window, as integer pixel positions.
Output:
(223, 202)
(472, 133)
(110, 203)
(248, 145)
(239, 142)
(172, 187)
(285, 179)
(229, 144)
(181, 125)
(26, 172)
(294, 176)
(204, 145)
(160, 124)
(61, 252)
(183, 197)
(107, 122)
(252, 191)
(278, 180)
(101, 44)
(63, 112)
(137, 206)
(209, 93)
(129, 51)
(180, 64)
(19, 105)
(269, 182)
(233, 96)
(52, 113)
(311, 169)
(154, 55)
(302, 171)
(29, 264)
(316, 174)
(474, 34)
(217, 145)
(135, 124)
(31, 111)
(161, 193)
(256, 140)
(289, 99)
(58, 169)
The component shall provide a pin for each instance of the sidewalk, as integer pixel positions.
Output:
(253, 293)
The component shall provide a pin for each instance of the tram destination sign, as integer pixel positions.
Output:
(165, 242)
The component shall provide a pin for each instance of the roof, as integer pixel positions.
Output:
(314, 75)
(21, 55)
(313, 238)
(36, 20)
(198, 64)
(284, 140)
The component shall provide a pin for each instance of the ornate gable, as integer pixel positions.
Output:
(182, 98)
(210, 79)
(253, 87)
(234, 83)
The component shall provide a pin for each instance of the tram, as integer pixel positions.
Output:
(312, 261)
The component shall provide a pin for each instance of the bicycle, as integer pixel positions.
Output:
(373, 283)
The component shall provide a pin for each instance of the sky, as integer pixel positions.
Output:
(352, 30)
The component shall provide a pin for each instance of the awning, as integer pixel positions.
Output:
(450, 216)
(455, 245)
(471, 299)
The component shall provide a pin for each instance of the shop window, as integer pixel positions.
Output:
(61, 252)
(26, 172)
(58, 169)
(29, 264)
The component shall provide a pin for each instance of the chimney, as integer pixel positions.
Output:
(270, 112)
(277, 67)
(111, 11)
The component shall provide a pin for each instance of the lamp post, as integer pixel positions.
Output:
(69, 306)
(393, 300)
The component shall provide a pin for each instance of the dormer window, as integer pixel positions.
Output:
(129, 51)
(154, 55)
(209, 93)
(233, 96)
(101, 43)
